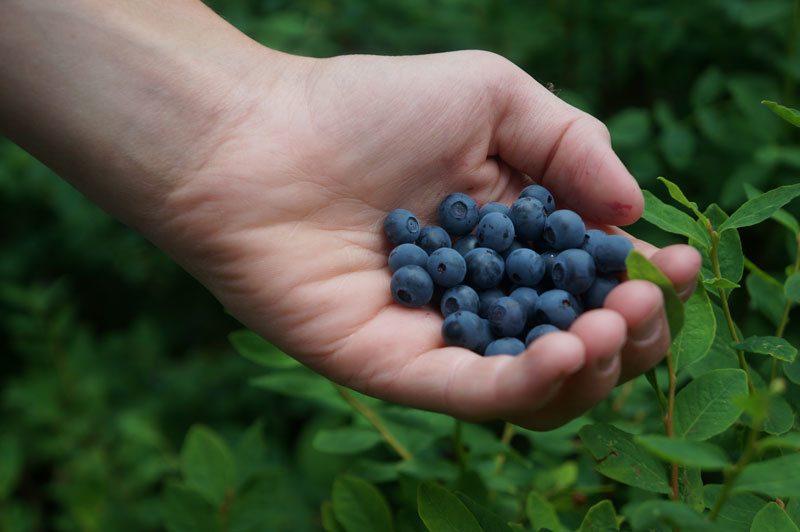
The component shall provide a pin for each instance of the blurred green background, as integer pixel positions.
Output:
(110, 352)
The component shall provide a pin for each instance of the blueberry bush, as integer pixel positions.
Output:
(124, 406)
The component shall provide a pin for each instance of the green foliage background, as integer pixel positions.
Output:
(110, 353)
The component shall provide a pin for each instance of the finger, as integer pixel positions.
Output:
(641, 305)
(680, 263)
(567, 151)
(602, 332)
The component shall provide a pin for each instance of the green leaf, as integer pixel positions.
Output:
(738, 511)
(780, 416)
(304, 384)
(787, 113)
(641, 268)
(793, 509)
(329, 522)
(690, 487)
(673, 220)
(677, 143)
(620, 458)
(786, 441)
(11, 461)
(184, 509)
(600, 518)
(761, 207)
(705, 406)
(773, 518)
(766, 296)
(771, 477)
(542, 514)
(629, 128)
(768, 345)
(488, 520)
(255, 349)
(677, 194)
(685, 452)
(650, 514)
(791, 288)
(207, 464)
(348, 440)
(697, 335)
(359, 506)
(792, 371)
(719, 282)
(729, 251)
(781, 216)
(442, 511)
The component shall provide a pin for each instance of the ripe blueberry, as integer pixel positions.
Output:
(460, 297)
(564, 229)
(595, 296)
(507, 317)
(527, 298)
(466, 329)
(573, 271)
(406, 254)
(412, 286)
(493, 206)
(446, 267)
(529, 216)
(486, 298)
(610, 253)
(485, 268)
(525, 267)
(465, 244)
(504, 346)
(538, 331)
(557, 307)
(432, 238)
(458, 214)
(401, 226)
(495, 231)
(540, 193)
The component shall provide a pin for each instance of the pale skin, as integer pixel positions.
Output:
(267, 176)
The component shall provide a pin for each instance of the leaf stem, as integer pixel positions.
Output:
(668, 422)
(505, 439)
(373, 418)
(662, 399)
(747, 455)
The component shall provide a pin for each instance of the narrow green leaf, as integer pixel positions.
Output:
(768, 345)
(697, 335)
(347, 440)
(719, 282)
(781, 216)
(793, 510)
(442, 511)
(791, 288)
(672, 220)
(304, 384)
(738, 511)
(729, 251)
(488, 520)
(184, 509)
(786, 441)
(207, 464)
(254, 348)
(677, 194)
(620, 458)
(787, 113)
(641, 268)
(600, 518)
(329, 522)
(542, 514)
(359, 506)
(705, 407)
(760, 208)
(771, 477)
(685, 452)
(650, 514)
(773, 518)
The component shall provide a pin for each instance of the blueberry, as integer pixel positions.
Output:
(495, 231)
(493, 206)
(401, 226)
(485, 268)
(507, 317)
(486, 298)
(529, 216)
(564, 229)
(610, 253)
(557, 307)
(538, 331)
(590, 240)
(573, 271)
(504, 346)
(412, 286)
(406, 254)
(432, 238)
(525, 267)
(447, 267)
(458, 214)
(595, 296)
(527, 297)
(516, 244)
(466, 329)
(460, 297)
(465, 244)
(540, 193)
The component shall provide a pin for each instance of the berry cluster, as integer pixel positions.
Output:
(512, 273)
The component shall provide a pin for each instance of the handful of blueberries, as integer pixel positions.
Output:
(512, 273)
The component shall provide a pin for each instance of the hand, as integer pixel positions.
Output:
(283, 222)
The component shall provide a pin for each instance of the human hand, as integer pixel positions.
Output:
(282, 222)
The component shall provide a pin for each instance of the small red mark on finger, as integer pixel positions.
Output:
(619, 207)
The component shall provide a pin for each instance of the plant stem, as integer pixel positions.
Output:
(373, 418)
(786, 308)
(744, 459)
(668, 422)
(459, 441)
(662, 400)
(508, 433)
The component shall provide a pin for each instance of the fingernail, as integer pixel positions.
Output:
(649, 329)
(606, 364)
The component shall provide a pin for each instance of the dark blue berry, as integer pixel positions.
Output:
(540, 193)
(432, 238)
(525, 267)
(505, 346)
(493, 206)
(538, 331)
(446, 267)
(412, 286)
(465, 244)
(507, 317)
(401, 226)
(573, 271)
(527, 297)
(590, 240)
(610, 253)
(495, 231)
(529, 216)
(557, 307)
(564, 229)
(485, 268)
(458, 214)
(486, 298)
(406, 254)
(516, 244)
(595, 296)
(468, 330)
(460, 297)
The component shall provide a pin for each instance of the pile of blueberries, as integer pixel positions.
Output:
(501, 274)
